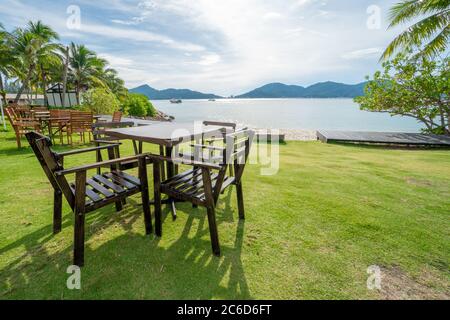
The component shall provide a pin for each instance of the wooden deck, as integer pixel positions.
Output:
(389, 138)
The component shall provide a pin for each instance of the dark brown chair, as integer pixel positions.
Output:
(229, 127)
(89, 194)
(203, 184)
(20, 126)
(100, 138)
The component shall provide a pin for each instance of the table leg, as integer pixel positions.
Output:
(170, 173)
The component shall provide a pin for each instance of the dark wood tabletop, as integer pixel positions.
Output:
(165, 134)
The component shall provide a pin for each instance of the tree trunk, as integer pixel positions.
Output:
(44, 85)
(3, 103)
(78, 94)
(448, 124)
(24, 84)
(66, 68)
(2, 91)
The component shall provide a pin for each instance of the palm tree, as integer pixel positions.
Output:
(7, 66)
(47, 58)
(6, 60)
(34, 48)
(85, 68)
(114, 83)
(433, 27)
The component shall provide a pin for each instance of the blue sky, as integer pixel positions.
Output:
(225, 47)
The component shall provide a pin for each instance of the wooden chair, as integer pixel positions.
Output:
(89, 194)
(203, 184)
(19, 126)
(229, 127)
(58, 123)
(117, 116)
(80, 122)
(100, 138)
(39, 108)
(24, 113)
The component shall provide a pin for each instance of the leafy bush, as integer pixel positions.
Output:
(100, 101)
(416, 88)
(138, 105)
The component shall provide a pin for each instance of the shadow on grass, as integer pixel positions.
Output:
(130, 265)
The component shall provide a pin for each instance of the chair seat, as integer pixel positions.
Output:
(188, 185)
(108, 186)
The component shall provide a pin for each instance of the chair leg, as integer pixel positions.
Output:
(99, 159)
(119, 205)
(240, 200)
(213, 231)
(80, 193)
(57, 211)
(207, 185)
(157, 197)
(78, 252)
(145, 196)
(19, 145)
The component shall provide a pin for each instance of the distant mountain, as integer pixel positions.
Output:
(154, 94)
(327, 89)
(319, 90)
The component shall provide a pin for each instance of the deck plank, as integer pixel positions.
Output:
(399, 138)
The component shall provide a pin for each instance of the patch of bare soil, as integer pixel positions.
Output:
(397, 285)
(417, 182)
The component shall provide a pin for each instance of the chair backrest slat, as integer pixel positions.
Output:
(117, 116)
(99, 129)
(11, 115)
(39, 108)
(50, 164)
(81, 120)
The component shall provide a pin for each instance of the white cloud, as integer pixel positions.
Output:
(209, 59)
(272, 16)
(222, 46)
(134, 21)
(363, 54)
(116, 61)
(138, 35)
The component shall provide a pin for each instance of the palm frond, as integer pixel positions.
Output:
(409, 9)
(437, 45)
(417, 33)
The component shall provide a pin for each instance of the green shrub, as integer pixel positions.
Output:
(100, 101)
(138, 105)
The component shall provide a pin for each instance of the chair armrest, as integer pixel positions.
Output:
(184, 161)
(107, 142)
(220, 124)
(98, 165)
(208, 147)
(74, 152)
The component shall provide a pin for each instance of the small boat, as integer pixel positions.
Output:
(175, 101)
(212, 100)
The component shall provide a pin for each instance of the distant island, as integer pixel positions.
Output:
(319, 90)
(327, 89)
(167, 94)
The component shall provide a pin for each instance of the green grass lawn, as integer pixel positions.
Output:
(311, 232)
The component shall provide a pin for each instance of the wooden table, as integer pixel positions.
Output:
(166, 135)
(45, 119)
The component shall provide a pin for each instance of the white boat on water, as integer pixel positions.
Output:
(175, 101)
